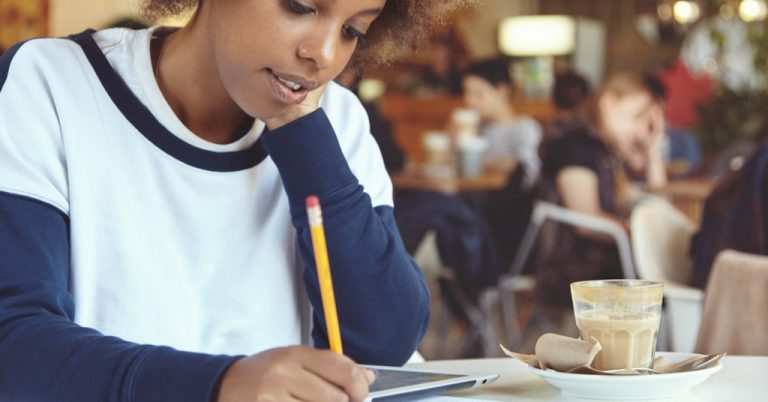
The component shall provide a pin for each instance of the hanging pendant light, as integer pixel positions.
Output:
(753, 10)
(686, 12)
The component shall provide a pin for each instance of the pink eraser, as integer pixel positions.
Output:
(313, 201)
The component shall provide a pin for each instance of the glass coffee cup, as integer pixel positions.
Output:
(623, 315)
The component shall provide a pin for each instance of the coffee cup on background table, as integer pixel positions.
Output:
(471, 155)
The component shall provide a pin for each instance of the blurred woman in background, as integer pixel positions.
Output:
(584, 171)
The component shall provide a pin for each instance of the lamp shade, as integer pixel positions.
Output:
(537, 35)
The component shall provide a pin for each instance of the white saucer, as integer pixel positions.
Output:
(635, 387)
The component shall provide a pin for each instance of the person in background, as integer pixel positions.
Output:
(513, 141)
(464, 240)
(583, 171)
(734, 216)
(488, 90)
(154, 240)
(684, 93)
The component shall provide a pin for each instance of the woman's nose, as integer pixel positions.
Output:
(320, 47)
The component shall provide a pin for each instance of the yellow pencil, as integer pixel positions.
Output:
(324, 273)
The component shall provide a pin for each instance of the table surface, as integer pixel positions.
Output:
(742, 379)
(688, 195)
(494, 177)
(697, 187)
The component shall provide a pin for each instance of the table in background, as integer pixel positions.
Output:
(688, 195)
(412, 116)
(742, 379)
(413, 177)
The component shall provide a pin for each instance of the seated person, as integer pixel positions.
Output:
(734, 216)
(488, 90)
(684, 92)
(583, 171)
(464, 240)
(513, 140)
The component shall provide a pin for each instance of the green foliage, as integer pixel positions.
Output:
(733, 116)
(738, 115)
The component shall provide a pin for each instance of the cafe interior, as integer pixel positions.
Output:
(519, 165)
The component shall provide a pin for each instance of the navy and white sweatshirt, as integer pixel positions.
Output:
(137, 260)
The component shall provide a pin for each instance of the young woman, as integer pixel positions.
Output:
(584, 168)
(153, 193)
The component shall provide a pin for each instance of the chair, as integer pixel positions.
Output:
(735, 319)
(661, 237)
(514, 281)
(441, 277)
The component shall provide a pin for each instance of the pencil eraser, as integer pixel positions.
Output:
(313, 201)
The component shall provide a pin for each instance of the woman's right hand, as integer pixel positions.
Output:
(295, 373)
(656, 127)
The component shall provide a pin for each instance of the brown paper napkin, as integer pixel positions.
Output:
(560, 353)
(571, 355)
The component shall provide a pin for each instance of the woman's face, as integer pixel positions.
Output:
(271, 53)
(483, 97)
(625, 119)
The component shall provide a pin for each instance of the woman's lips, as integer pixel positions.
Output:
(284, 92)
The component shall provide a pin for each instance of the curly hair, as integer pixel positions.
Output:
(402, 25)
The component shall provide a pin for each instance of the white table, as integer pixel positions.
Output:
(742, 379)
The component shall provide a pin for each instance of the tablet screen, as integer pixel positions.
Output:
(389, 379)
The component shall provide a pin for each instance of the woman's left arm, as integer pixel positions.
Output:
(381, 296)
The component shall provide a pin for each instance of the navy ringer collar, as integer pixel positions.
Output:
(148, 125)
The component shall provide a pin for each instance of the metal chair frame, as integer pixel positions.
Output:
(508, 283)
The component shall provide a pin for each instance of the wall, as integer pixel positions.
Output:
(626, 49)
(479, 28)
(71, 16)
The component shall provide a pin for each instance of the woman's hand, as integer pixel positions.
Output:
(655, 134)
(295, 373)
(655, 169)
(291, 113)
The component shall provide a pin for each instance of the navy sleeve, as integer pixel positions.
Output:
(45, 356)
(381, 295)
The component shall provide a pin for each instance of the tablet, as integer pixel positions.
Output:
(407, 384)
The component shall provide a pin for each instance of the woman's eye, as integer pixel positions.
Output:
(298, 8)
(353, 33)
